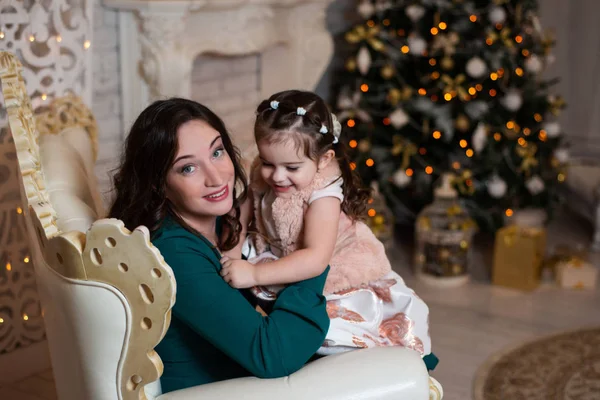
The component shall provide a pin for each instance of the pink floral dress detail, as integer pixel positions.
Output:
(369, 304)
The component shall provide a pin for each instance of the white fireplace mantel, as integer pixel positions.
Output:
(160, 39)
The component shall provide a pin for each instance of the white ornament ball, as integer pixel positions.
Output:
(399, 118)
(512, 100)
(552, 129)
(534, 64)
(562, 155)
(479, 137)
(497, 15)
(414, 12)
(383, 5)
(476, 67)
(400, 178)
(417, 45)
(366, 9)
(497, 187)
(363, 60)
(535, 185)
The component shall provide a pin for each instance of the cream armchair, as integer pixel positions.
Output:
(107, 293)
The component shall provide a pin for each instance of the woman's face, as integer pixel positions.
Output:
(200, 182)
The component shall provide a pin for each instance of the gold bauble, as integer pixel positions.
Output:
(387, 72)
(462, 123)
(364, 145)
(453, 226)
(351, 65)
(377, 45)
(447, 63)
(457, 269)
(464, 244)
(379, 220)
(394, 96)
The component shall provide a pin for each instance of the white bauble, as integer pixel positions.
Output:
(479, 139)
(366, 9)
(400, 178)
(535, 185)
(497, 187)
(414, 12)
(497, 15)
(512, 100)
(363, 60)
(417, 45)
(552, 128)
(399, 118)
(550, 59)
(534, 64)
(562, 155)
(383, 5)
(476, 67)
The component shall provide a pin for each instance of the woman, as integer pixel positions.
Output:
(180, 177)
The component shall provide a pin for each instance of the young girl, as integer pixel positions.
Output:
(307, 205)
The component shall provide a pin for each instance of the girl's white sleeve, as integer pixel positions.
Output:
(333, 190)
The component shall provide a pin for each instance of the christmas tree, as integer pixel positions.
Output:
(437, 86)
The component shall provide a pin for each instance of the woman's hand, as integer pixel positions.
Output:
(239, 274)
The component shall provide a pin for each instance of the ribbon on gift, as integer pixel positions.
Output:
(512, 233)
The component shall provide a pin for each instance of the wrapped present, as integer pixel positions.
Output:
(518, 257)
(576, 273)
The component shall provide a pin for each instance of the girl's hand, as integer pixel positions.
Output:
(239, 274)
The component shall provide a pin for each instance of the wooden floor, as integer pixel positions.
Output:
(468, 324)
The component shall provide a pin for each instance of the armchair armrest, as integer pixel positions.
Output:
(374, 374)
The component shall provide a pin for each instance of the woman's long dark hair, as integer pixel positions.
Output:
(150, 149)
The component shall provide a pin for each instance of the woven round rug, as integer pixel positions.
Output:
(558, 367)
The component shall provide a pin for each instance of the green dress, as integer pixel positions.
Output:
(216, 333)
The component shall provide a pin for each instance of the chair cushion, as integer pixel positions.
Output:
(67, 161)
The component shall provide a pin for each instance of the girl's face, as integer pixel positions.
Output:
(285, 168)
(200, 182)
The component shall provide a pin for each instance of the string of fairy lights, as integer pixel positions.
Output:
(10, 267)
(453, 89)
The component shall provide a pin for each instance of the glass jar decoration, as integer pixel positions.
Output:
(444, 234)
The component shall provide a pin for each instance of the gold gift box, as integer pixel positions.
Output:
(518, 257)
(576, 273)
